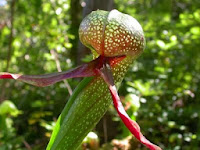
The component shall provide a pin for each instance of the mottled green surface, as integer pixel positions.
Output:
(112, 34)
(87, 109)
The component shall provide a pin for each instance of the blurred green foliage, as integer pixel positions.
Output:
(163, 82)
(167, 74)
(8, 134)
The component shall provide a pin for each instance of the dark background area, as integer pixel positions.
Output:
(161, 89)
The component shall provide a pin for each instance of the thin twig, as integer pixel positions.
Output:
(12, 10)
(12, 7)
(27, 145)
(55, 55)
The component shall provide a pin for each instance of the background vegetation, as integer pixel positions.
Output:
(160, 91)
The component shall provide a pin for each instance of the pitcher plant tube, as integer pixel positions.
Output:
(116, 39)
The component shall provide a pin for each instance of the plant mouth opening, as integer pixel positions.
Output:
(111, 60)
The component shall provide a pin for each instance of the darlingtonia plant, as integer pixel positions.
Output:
(116, 39)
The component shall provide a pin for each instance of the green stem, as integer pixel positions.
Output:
(79, 88)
